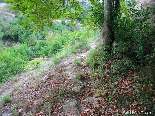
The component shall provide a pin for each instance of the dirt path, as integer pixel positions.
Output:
(29, 81)
(21, 79)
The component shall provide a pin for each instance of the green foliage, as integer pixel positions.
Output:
(86, 6)
(15, 32)
(147, 74)
(14, 60)
(6, 99)
(32, 64)
(121, 67)
(78, 39)
(95, 16)
(62, 27)
(135, 37)
(94, 59)
(1, 27)
(72, 43)
(2, 1)
(43, 13)
(77, 62)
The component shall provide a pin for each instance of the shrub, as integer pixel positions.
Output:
(14, 59)
(15, 31)
(32, 64)
(12, 63)
(56, 45)
(72, 43)
(94, 59)
(62, 27)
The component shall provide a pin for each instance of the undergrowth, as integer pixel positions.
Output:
(77, 41)
(129, 91)
(6, 99)
(127, 73)
(14, 60)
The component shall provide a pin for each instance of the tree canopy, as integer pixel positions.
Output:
(43, 12)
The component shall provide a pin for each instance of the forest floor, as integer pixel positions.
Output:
(51, 89)
(70, 88)
(17, 82)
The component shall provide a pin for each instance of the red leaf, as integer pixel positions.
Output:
(32, 102)
(104, 95)
(83, 114)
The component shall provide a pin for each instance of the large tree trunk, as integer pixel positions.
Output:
(107, 22)
(108, 26)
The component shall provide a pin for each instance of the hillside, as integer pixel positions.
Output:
(71, 88)
(62, 76)
(62, 69)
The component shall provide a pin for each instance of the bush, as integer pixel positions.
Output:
(62, 27)
(11, 62)
(14, 60)
(32, 64)
(15, 30)
(94, 59)
(135, 38)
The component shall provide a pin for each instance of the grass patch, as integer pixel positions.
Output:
(16, 87)
(77, 41)
(77, 62)
(33, 64)
(57, 58)
(15, 79)
(81, 76)
(6, 99)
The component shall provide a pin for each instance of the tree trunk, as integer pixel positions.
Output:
(107, 22)
(108, 26)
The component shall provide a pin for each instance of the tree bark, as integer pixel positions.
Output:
(108, 27)
(107, 20)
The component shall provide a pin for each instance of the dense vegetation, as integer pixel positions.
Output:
(34, 44)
